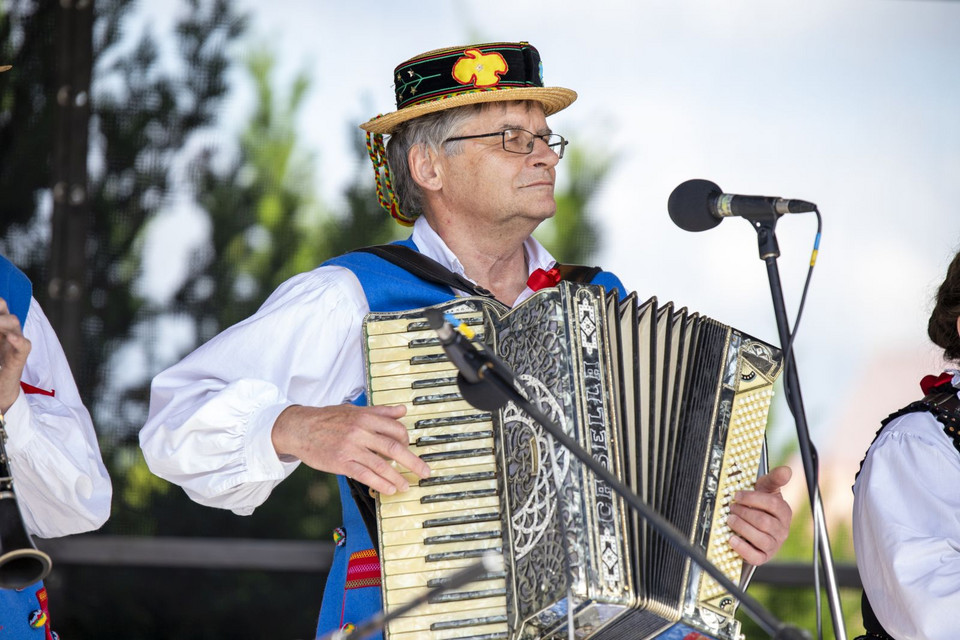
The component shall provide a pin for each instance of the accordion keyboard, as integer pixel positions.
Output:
(448, 521)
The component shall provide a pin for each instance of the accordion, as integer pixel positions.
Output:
(673, 403)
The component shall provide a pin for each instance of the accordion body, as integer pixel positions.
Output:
(673, 403)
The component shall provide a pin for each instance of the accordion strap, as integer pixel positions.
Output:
(577, 272)
(423, 267)
(432, 271)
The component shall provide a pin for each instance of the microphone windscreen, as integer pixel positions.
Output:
(689, 205)
(434, 318)
(482, 395)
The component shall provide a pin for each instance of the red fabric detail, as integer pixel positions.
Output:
(541, 279)
(42, 601)
(29, 388)
(363, 570)
(930, 382)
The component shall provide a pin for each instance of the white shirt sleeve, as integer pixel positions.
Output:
(61, 484)
(906, 528)
(211, 415)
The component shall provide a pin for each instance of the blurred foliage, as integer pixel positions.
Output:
(797, 605)
(571, 235)
(27, 32)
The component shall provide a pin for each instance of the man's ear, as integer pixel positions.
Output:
(425, 167)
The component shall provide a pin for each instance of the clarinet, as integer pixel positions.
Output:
(21, 563)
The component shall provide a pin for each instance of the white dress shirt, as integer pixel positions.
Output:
(60, 482)
(906, 528)
(211, 415)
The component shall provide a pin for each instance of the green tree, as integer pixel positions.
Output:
(265, 225)
(27, 31)
(798, 605)
(144, 116)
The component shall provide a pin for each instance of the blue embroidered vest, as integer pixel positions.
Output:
(23, 612)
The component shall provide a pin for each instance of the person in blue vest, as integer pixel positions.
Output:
(906, 527)
(470, 163)
(59, 480)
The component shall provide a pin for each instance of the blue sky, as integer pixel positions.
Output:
(852, 104)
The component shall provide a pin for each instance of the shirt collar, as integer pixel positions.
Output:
(955, 381)
(432, 245)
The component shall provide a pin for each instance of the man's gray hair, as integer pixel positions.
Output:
(428, 131)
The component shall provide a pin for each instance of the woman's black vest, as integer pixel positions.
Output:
(943, 403)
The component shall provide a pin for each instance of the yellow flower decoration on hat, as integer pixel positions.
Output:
(479, 69)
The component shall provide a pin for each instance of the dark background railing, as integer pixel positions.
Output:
(299, 555)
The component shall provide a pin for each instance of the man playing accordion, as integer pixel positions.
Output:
(470, 162)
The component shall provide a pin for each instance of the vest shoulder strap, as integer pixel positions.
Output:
(432, 271)
(423, 267)
(943, 403)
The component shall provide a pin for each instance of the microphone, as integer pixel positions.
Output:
(473, 363)
(698, 205)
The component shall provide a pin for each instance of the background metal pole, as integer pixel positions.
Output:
(66, 283)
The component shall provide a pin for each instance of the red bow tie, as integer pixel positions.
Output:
(541, 279)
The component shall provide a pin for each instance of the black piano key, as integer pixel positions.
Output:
(426, 423)
(462, 537)
(428, 359)
(455, 520)
(453, 437)
(436, 398)
(433, 382)
(459, 555)
(496, 575)
(456, 478)
(458, 495)
(460, 596)
(467, 622)
(457, 454)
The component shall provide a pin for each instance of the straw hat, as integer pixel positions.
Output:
(457, 76)
(454, 77)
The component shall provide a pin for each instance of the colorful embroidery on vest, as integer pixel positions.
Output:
(363, 570)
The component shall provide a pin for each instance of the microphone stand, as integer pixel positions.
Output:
(765, 226)
(500, 377)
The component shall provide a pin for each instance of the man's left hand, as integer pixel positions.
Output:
(760, 519)
(14, 349)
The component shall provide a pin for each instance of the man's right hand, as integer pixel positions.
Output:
(357, 442)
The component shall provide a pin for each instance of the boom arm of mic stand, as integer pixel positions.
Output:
(775, 628)
(769, 252)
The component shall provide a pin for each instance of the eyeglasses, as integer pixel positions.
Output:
(521, 140)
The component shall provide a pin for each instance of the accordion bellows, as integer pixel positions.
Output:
(674, 403)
